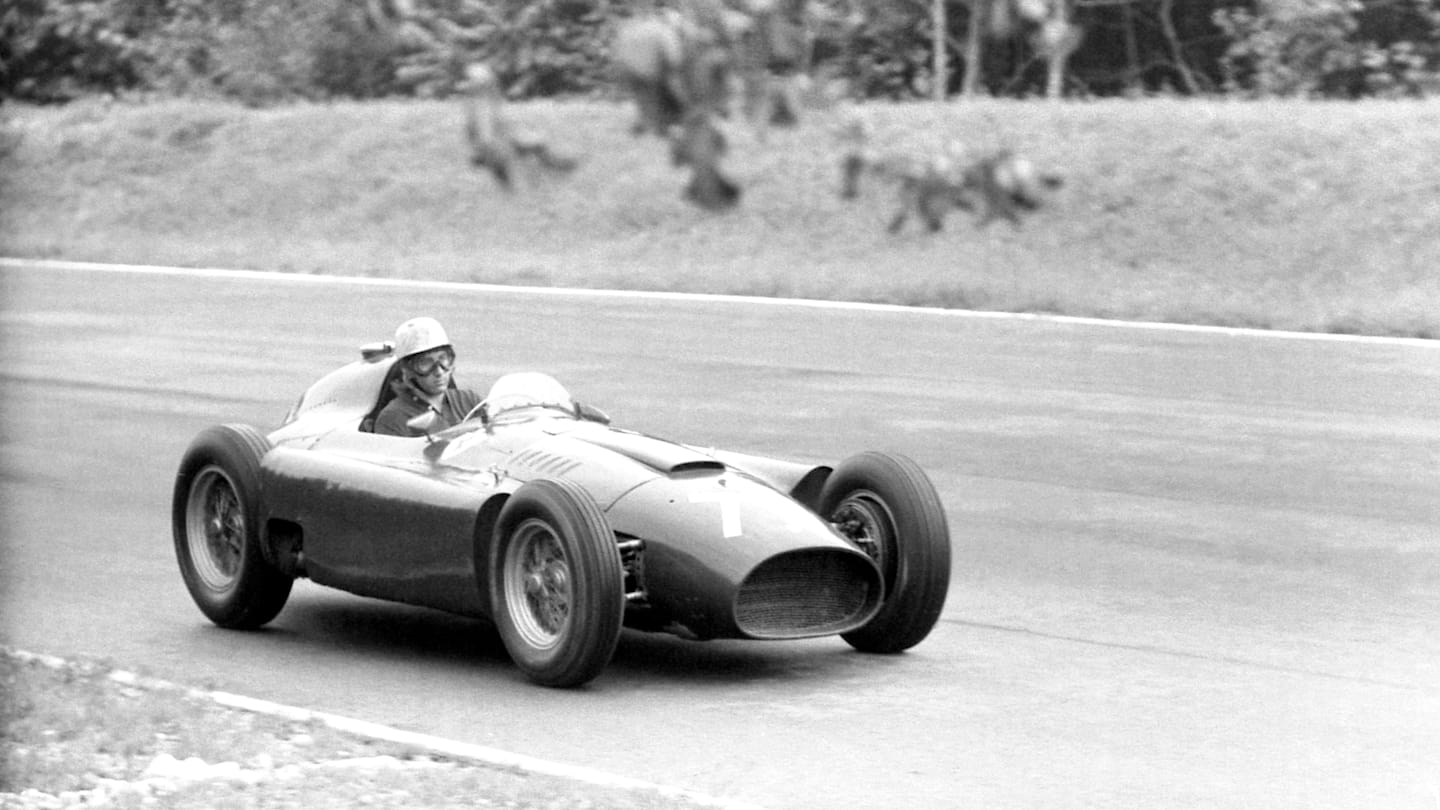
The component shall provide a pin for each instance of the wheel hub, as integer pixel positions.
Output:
(539, 582)
(864, 521)
(215, 528)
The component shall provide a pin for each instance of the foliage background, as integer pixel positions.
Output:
(267, 51)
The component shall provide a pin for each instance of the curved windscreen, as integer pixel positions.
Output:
(527, 389)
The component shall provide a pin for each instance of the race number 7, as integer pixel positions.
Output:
(729, 509)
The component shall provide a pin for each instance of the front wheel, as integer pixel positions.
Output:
(215, 517)
(886, 506)
(556, 583)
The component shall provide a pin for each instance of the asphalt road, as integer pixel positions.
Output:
(1191, 569)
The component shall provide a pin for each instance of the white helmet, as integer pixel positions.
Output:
(419, 335)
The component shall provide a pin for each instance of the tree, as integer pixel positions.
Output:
(974, 46)
(1045, 25)
(1053, 36)
(940, 28)
(1172, 41)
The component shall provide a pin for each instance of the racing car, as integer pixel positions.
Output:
(539, 516)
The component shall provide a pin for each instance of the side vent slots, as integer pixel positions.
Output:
(544, 463)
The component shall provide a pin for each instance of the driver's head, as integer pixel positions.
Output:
(427, 359)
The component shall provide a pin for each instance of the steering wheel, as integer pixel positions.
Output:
(483, 409)
(480, 411)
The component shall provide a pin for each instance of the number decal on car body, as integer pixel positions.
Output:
(729, 509)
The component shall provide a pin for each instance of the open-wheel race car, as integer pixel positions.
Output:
(539, 516)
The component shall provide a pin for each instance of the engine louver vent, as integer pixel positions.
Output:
(814, 592)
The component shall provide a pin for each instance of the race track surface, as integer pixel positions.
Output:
(1191, 569)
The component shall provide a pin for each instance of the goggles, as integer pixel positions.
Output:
(427, 364)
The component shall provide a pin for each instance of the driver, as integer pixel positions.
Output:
(427, 363)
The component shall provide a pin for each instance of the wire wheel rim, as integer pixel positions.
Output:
(864, 520)
(539, 586)
(215, 528)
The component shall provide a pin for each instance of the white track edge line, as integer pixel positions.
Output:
(485, 755)
(1073, 320)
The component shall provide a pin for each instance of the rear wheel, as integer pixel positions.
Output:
(215, 518)
(556, 583)
(887, 507)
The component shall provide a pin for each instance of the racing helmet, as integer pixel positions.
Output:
(419, 335)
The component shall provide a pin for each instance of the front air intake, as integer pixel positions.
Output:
(815, 592)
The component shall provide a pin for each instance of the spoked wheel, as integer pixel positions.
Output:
(886, 506)
(215, 528)
(557, 583)
(537, 581)
(216, 522)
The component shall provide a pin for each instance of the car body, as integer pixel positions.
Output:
(538, 515)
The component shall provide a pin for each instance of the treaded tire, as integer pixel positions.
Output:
(556, 583)
(216, 521)
(886, 505)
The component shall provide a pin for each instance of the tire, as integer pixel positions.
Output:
(556, 583)
(216, 519)
(887, 507)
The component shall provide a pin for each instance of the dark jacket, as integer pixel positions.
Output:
(407, 405)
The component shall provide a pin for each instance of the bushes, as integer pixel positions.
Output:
(1332, 48)
(55, 51)
(264, 51)
(255, 50)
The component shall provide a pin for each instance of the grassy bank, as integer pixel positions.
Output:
(1308, 216)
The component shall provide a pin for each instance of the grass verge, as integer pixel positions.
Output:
(1290, 215)
(75, 735)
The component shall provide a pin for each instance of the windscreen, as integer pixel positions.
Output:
(526, 390)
